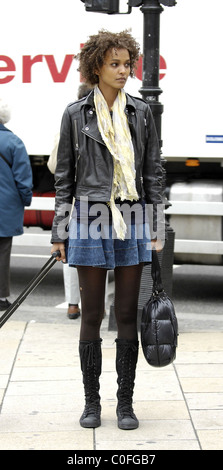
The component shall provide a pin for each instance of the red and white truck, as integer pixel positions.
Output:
(39, 77)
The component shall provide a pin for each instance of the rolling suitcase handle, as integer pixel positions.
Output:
(29, 288)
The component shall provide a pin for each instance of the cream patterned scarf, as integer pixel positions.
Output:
(117, 138)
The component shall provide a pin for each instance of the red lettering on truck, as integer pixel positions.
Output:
(58, 76)
(8, 67)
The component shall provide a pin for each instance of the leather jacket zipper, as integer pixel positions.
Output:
(76, 148)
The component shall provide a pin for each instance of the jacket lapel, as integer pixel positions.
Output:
(90, 118)
(91, 130)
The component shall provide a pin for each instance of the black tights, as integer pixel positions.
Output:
(92, 283)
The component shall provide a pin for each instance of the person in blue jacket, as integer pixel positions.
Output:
(15, 194)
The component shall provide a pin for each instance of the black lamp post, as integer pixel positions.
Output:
(150, 89)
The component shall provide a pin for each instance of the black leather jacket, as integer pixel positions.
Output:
(85, 165)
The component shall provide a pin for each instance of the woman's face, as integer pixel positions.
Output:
(116, 69)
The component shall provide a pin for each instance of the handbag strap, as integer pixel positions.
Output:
(156, 273)
(6, 161)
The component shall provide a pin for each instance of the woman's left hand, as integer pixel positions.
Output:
(157, 245)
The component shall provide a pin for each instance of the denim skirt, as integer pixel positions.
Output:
(92, 240)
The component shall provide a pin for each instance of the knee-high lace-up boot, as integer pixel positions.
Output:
(126, 360)
(91, 358)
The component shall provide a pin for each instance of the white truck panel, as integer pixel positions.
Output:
(191, 42)
(191, 37)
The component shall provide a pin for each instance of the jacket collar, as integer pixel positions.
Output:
(3, 128)
(89, 101)
(91, 127)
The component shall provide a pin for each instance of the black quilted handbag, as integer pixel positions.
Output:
(159, 327)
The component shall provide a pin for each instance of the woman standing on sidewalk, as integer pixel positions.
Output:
(108, 155)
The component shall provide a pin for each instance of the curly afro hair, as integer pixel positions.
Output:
(92, 54)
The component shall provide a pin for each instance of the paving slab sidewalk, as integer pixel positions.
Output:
(179, 407)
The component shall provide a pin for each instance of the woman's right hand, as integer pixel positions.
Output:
(61, 248)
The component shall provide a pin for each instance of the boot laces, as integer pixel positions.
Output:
(91, 381)
(126, 383)
(92, 408)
